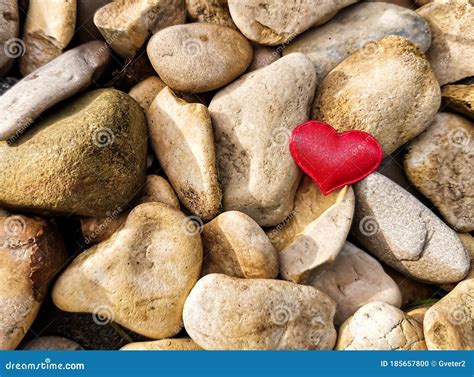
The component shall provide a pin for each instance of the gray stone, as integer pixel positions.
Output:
(10, 46)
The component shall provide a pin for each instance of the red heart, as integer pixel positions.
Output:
(334, 159)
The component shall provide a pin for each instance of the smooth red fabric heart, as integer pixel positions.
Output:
(334, 159)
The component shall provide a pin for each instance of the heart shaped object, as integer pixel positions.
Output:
(334, 159)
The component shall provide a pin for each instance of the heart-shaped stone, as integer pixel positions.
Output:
(334, 159)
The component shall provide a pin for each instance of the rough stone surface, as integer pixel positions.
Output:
(312, 236)
(356, 26)
(452, 48)
(440, 163)
(182, 138)
(140, 276)
(177, 344)
(399, 230)
(448, 324)
(394, 100)
(380, 326)
(199, 57)
(418, 314)
(61, 78)
(145, 91)
(235, 245)
(225, 313)
(10, 46)
(31, 252)
(355, 279)
(87, 158)
(271, 22)
(214, 11)
(127, 24)
(252, 119)
(156, 189)
(459, 98)
(49, 27)
(52, 343)
(468, 242)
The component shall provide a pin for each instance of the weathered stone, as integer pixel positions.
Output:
(356, 26)
(181, 136)
(448, 324)
(440, 164)
(52, 343)
(61, 78)
(140, 276)
(459, 98)
(468, 242)
(126, 25)
(199, 57)
(235, 245)
(225, 313)
(418, 314)
(355, 279)
(399, 230)
(394, 100)
(145, 91)
(31, 252)
(253, 118)
(452, 48)
(49, 27)
(10, 46)
(380, 326)
(177, 344)
(214, 11)
(87, 158)
(270, 22)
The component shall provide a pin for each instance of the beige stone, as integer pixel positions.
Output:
(31, 252)
(68, 74)
(355, 279)
(156, 189)
(140, 276)
(176, 344)
(452, 47)
(181, 136)
(402, 232)
(10, 46)
(253, 118)
(199, 57)
(379, 326)
(127, 24)
(270, 22)
(394, 100)
(214, 11)
(263, 56)
(145, 91)
(52, 343)
(418, 314)
(225, 313)
(235, 245)
(440, 164)
(49, 27)
(459, 98)
(302, 238)
(448, 324)
(468, 242)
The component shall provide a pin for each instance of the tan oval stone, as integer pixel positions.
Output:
(440, 164)
(270, 22)
(225, 313)
(379, 326)
(49, 27)
(394, 100)
(448, 324)
(145, 91)
(214, 11)
(313, 234)
(177, 344)
(452, 47)
(31, 253)
(418, 314)
(235, 245)
(127, 24)
(252, 119)
(355, 279)
(140, 276)
(459, 98)
(52, 343)
(181, 136)
(199, 57)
